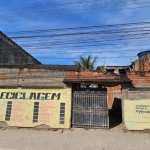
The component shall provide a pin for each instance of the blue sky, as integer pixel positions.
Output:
(50, 14)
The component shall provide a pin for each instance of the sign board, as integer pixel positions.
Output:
(33, 107)
(137, 114)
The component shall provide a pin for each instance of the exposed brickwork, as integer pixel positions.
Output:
(41, 78)
(90, 75)
(143, 64)
(35, 78)
(139, 77)
(136, 65)
(112, 93)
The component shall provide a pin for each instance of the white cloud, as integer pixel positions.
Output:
(112, 17)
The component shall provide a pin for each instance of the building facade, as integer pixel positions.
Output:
(58, 96)
(33, 96)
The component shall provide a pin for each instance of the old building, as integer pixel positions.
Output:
(136, 101)
(143, 63)
(62, 96)
(35, 95)
(11, 53)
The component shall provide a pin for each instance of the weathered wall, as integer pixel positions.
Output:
(138, 94)
(137, 114)
(11, 53)
(34, 107)
(36, 78)
(136, 68)
(108, 80)
(136, 109)
(143, 63)
(91, 75)
(139, 79)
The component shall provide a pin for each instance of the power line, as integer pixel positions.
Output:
(97, 52)
(83, 33)
(83, 46)
(142, 32)
(88, 33)
(94, 41)
(55, 44)
(112, 31)
(64, 47)
(76, 46)
(47, 51)
(104, 40)
(89, 42)
(117, 39)
(85, 27)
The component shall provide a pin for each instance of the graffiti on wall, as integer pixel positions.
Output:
(29, 96)
(30, 108)
(137, 114)
(142, 109)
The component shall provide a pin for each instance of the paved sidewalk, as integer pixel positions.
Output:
(78, 139)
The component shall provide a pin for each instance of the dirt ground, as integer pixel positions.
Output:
(73, 139)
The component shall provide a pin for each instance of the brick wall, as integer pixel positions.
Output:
(87, 74)
(143, 64)
(139, 79)
(35, 78)
(112, 94)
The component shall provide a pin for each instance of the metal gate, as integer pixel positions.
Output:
(90, 108)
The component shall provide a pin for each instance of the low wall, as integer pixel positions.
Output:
(136, 108)
(136, 114)
(35, 107)
(31, 78)
(139, 79)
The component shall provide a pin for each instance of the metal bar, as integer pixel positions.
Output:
(90, 109)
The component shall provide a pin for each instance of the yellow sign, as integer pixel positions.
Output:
(137, 114)
(33, 107)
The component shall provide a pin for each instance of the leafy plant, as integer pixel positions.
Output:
(86, 63)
